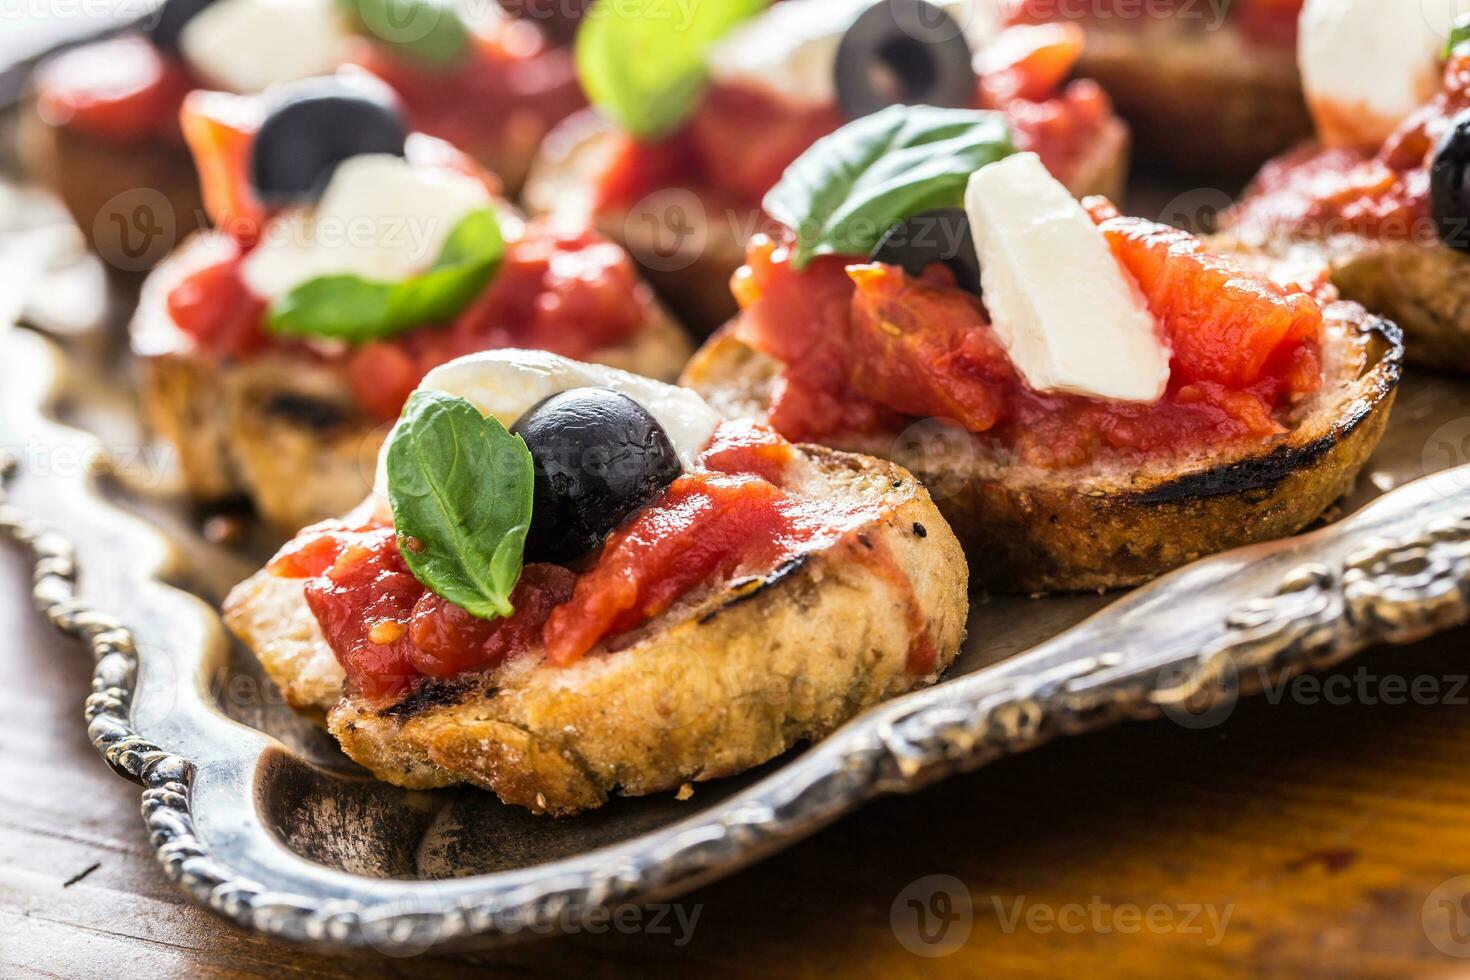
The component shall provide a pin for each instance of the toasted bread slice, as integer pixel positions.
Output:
(688, 252)
(133, 203)
(1033, 530)
(283, 429)
(1201, 98)
(730, 677)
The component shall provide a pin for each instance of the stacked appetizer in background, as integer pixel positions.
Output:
(351, 257)
(105, 117)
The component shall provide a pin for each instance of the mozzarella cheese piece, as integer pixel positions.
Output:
(1071, 318)
(246, 46)
(1367, 64)
(381, 218)
(791, 48)
(505, 384)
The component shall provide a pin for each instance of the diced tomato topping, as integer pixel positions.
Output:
(748, 448)
(704, 526)
(220, 129)
(123, 90)
(1030, 62)
(1224, 322)
(924, 349)
(214, 307)
(865, 347)
(448, 641)
(571, 293)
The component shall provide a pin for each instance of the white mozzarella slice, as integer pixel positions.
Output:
(1366, 65)
(246, 46)
(791, 48)
(381, 218)
(1070, 317)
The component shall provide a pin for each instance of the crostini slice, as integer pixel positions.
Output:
(780, 639)
(1380, 197)
(1074, 437)
(289, 413)
(685, 197)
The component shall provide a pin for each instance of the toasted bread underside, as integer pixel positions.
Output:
(724, 681)
(285, 431)
(109, 190)
(688, 253)
(1031, 530)
(1204, 100)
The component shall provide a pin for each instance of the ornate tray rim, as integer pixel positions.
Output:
(1396, 571)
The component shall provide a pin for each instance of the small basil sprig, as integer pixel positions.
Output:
(1459, 34)
(461, 489)
(430, 32)
(642, 62)
(357, 310)
(843, 193)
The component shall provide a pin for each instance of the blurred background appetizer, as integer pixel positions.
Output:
(105, 117)
(349, 257)
(574, 582)
(1209, 89)
(697, 118)
(1092, 399)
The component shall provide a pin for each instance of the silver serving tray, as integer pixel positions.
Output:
(256, 814)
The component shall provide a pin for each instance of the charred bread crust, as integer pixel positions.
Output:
(1201, 100)
(284, 430)
(723, 682)
(94, 179)
(688, 253)
(1029, 530)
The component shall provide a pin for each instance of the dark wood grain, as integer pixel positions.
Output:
(1323, 828)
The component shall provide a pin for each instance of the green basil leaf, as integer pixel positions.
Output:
(842, 194)
(357, 310)
(642, 62)
(430, 32)
(1459, 34)
(461, 489)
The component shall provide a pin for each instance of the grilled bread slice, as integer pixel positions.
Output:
(1201, 100)
(1032, 530)
(283, 429)
(730, 677)
(688, 251)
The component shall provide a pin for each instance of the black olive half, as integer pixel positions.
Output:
(315, 125)
(599, 457)
(942, 235)
(166, 23)
(904, 52)
(1449, 184)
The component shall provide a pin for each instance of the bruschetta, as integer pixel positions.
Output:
(351, 257)
(104, 119)
(678, 172)
(639, 595)
(1092, 399)
(1381, 195)
(1207, 88)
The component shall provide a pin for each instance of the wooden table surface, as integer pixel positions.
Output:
(1321, 830)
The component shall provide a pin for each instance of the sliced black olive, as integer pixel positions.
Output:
(599, 457)
(167, 22)
(934, 236)
(1449, 184)
(315, 125)
(904, 52)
